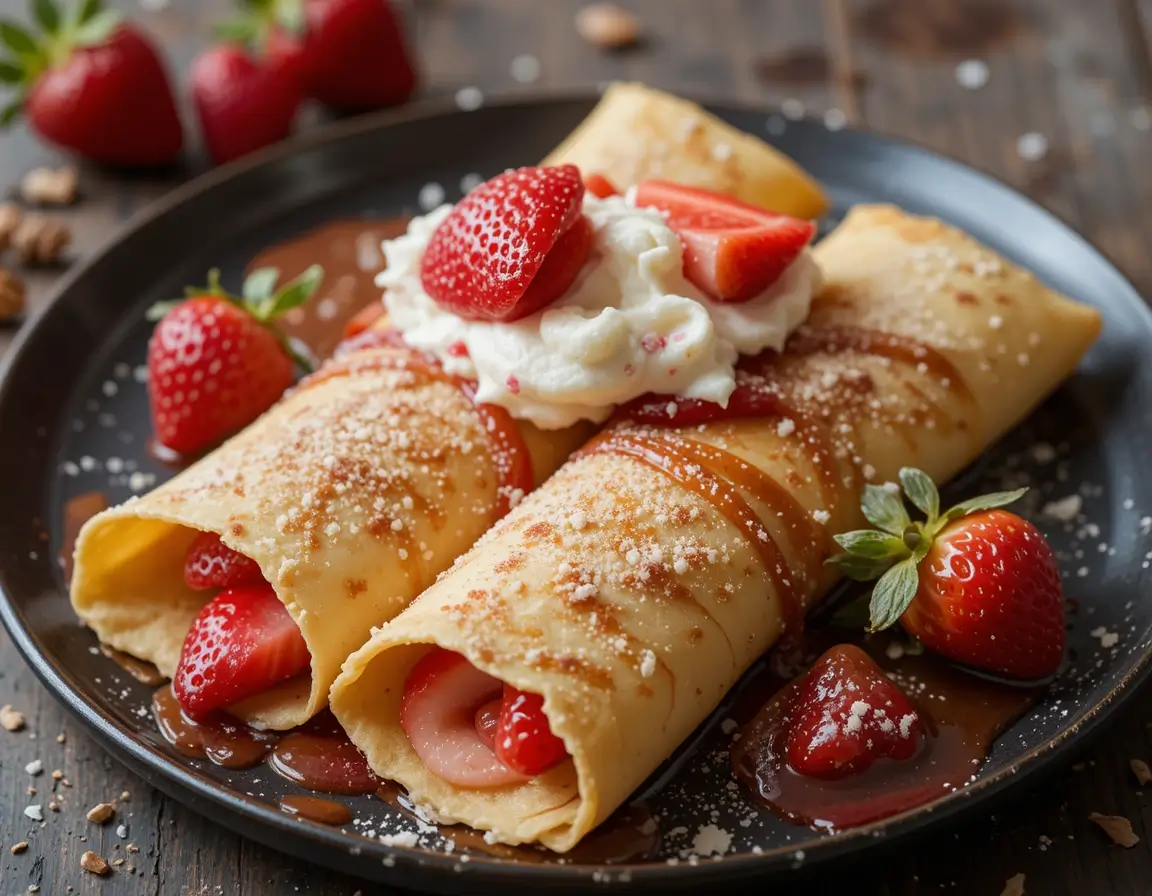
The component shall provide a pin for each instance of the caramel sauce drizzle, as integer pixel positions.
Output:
(509, 452)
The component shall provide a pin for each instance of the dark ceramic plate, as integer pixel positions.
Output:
(74, 419)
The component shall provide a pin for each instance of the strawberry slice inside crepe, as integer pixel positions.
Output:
(732, 251)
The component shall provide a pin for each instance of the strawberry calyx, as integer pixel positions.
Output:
(893, 550)
(261, 298)
(31, 53)
(257, 19)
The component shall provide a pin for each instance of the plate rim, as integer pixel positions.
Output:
(202, 794)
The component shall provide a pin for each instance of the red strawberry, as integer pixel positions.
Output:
(847, 714)
(94, 84)
(599, 186)
(511, 246)
(976, 584)
(210, 563)
(349, 54)
(243, 104)
(732, 251)
(215, 361)
(524, 741)
(446, 713)
(241, 644)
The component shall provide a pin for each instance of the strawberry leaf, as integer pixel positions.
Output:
(290, 15)
(47, 15)
(87, 9)
(294, 294)
(921, 491)
(872, 544)
(18, 40)
(212, 289)
(884, 510)
(984, 502)
(242, 31)
(97, 29)
(893, 593)
(10, 113)
(160, 309)
(259, 284)
(10, 73)
(860, 569)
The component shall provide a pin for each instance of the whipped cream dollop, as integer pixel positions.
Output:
(629, 325)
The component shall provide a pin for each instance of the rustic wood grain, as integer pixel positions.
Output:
(1077, 72)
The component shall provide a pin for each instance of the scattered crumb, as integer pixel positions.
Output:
(11, 719)
(17, 848)
(1014, 886)
(35, 812)
(122, 831)
(1141, 771)
(711, 840)
(404, 838)
(61, 738)
(1065, 510)
(34, 768)
(93, 864)
(1107, 639)
(48, 186)
(1032, 146)
(125, 796)
(607, 26)
(1117, 827)
(101, 813)
(972, 74)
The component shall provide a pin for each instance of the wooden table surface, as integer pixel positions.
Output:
(1077, 72)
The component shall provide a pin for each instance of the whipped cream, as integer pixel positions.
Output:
(630, 324)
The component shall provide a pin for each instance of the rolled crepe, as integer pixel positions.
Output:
(351, 494)
(636, 133)
(641, 581)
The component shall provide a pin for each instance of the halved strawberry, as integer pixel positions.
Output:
(847, 714)
(524, 740)
(599, 186)
(732, 251)
(241, 644)
(444, 696)
(210, 563)
(510, 246)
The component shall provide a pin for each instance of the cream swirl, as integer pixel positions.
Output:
(630, 324)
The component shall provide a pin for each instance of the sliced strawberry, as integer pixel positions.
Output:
(599, 186)
(364, 319)
(210, 563)
(483, 261)
(846, 715)
(524, 740)
(241, 644)
(443, 695)
(732, 251)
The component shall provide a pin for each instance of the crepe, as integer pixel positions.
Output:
(636, 133)
(351, 494)
(632, 597)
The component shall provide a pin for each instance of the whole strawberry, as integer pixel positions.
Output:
(243, 103)
(92, 83)
(216, 361)
(349, 54)
(977, 584)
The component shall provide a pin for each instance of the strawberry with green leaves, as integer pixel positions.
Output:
(216, 361)
(975, 583)
(91, 82)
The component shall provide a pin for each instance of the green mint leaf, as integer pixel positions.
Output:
(97, 29)
(884, 510)
(871, 543)
(10, 73)
(853, 614)
(860, 569)
(295, 293)
(10, 113)
(893, 593)
(921, 491)
(984, 502)
(86, 10)
(47, 15)
(17, 39)
(160, 309)
(260, 284)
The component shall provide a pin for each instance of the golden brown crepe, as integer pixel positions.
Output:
(351, 494)
(632, 597)
(636, 133)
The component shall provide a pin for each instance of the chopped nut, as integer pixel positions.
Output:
(40, 240)
(132, 847)
(10, 217)
(1014, 886)
(125, 796)
(93, 864)
(11, 719)
(54, 806)
(607, 26)
(1141, 771)
(32, 888)
(101, 812)
(47, 186)
(12, 295)
(57, 774)
(60, 738)
(117, 862)
(1117, 827)
(17, 848)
